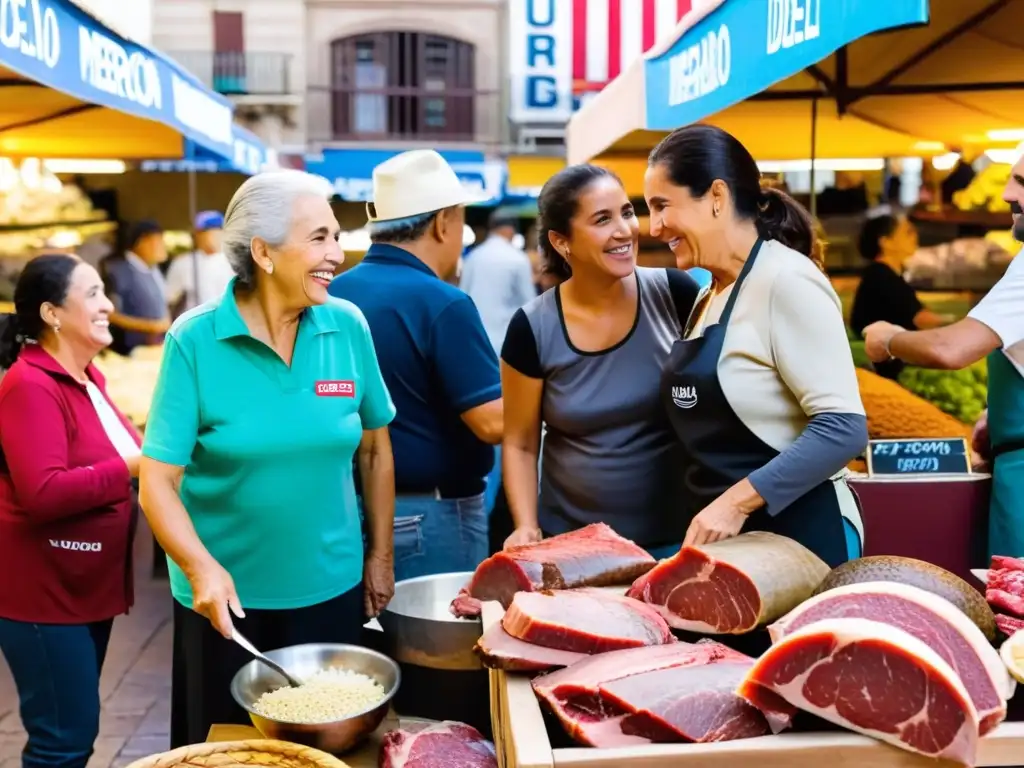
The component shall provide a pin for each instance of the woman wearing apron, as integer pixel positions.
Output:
(761, 390)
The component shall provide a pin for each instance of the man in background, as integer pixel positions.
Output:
(137, 289)
(208, 261)
(498, 278)
(436, 360)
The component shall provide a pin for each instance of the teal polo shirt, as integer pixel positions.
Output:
(268, 449)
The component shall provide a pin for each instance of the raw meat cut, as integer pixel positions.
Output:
(436, 745)
(731, 586)
(584, 621)
(1005, 590)
(681, 692)
(935, 622)
(872, 678)
(1009, 624)
(497, 649)
(1004, 563)
(593, 556)
(916, 573)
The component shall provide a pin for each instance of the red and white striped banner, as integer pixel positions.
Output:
(607, 35)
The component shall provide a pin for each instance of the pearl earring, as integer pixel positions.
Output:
(56, 327)
(270, 268)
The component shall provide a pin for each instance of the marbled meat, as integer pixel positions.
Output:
(872, 678)
(1009, 625)
(584, 621)
(436, 745)
(680, 692)
(934, 621)
(544, 630)
(1005, 587)
(593, 556)
(731, 586)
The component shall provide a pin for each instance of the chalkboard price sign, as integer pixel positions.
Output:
(945, 456)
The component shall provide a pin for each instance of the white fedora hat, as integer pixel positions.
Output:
(416, 182)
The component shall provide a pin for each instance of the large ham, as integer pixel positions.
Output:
(541, 630)
(436, 745)
(934, 621)
(872, 678)
(593, 556)
(680, 692)
(731, 586)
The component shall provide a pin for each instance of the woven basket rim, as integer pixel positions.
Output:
(185, 755)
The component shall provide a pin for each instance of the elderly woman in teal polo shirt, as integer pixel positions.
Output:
(267, 399)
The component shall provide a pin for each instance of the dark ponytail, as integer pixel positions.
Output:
(695, 156)
(45, 279)
(558, 203)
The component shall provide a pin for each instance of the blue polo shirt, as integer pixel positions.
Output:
(437, 364)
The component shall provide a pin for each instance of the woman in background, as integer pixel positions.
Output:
(67, 513)
(264, 399)
(584, 359)
(761, 389)
(887, 242)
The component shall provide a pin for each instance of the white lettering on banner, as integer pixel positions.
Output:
(77, 546)
(701, 68)
(248, 157)
(108, 67)
(37, 37)
(791, 22)
(200, 112)
(540, 47)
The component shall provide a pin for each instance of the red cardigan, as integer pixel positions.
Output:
(67, 514)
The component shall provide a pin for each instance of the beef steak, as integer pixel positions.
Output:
(593, 556)
(934, 621)
(872, 678)
(731, 586)
(680, 692)
(436, 745)
(497, 649)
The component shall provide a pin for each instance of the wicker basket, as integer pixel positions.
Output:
(251, 753)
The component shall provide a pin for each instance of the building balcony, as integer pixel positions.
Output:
(245, 77)
(405, 115)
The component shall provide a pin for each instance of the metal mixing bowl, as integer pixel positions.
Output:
(255, 679)
(419, 629)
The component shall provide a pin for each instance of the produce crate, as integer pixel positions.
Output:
(522, 741)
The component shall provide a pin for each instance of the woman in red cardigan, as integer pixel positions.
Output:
(67, 459)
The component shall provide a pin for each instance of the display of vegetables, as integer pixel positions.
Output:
(895, 412)
(962, 394)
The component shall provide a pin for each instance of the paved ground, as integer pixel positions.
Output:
(136, 687)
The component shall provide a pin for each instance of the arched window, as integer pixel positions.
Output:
(402, 85)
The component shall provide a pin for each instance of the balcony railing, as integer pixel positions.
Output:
(240, 74)
(458, 115)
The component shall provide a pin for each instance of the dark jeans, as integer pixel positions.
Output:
(56, 668)
(204, 662)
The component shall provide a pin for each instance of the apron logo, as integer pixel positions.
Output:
(684, 397)
(336, 388)
(77, 546)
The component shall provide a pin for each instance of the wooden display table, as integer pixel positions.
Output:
(522, 741)
(363, 757)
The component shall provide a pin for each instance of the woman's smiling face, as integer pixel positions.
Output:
(684, 222)
(604, 233)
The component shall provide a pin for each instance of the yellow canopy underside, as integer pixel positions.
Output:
(874, 126)
(36, 121)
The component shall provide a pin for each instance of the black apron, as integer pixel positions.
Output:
(719, 450)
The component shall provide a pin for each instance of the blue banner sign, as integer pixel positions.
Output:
(58, 45)
(250, 156)
(772, 39)
(351, 171)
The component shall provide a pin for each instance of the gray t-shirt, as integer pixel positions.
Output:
(609, 454)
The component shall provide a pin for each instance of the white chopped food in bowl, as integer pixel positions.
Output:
(327, 696)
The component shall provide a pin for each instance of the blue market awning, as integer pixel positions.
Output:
(72, 87)
(728, 51)
(351, 171)
(250, 156)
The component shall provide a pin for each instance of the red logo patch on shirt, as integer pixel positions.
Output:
(336, 388)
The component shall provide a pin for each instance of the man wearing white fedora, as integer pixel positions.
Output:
(437, 362)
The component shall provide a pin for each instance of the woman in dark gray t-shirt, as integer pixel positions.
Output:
(585, 360)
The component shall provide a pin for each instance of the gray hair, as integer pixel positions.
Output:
(406, 230)
(262, 207)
